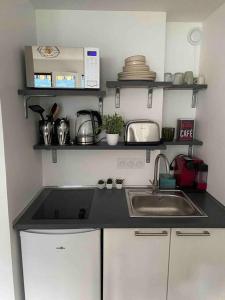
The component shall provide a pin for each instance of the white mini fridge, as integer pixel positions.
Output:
(61, 264)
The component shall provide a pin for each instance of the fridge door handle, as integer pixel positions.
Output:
(59, 232)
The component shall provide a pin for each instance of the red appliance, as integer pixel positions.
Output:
(186, 169)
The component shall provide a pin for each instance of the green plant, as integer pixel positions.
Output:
(119, 181)
(113, 124)
(101, 181)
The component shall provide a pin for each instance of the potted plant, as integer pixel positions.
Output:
(113, 125)
(119, 183)
(101, 184)
(109, 184)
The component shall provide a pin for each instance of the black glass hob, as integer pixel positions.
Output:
(65, 204)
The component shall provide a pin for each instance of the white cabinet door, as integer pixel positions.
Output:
(61, 265)
(197, 264)
(135, 264)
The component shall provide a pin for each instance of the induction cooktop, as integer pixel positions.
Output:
(65, 204)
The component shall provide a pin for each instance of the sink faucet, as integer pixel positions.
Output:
(155, 183)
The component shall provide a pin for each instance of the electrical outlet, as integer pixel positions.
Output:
(130, 163)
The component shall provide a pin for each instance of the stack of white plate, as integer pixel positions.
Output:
(136, 69)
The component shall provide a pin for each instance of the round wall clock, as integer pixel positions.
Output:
(195, 36)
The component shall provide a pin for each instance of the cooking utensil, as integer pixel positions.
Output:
(52, 111)
(56, 112)
(46, 129)
(62, 131)
(38, 109)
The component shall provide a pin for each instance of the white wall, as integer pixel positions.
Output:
(180, 57)
(23, 165)
(123, 35)
(6, 275)
(211, 112)
(118, 35)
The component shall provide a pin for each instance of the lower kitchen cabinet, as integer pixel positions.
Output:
(197, 264)
(135, 264)
(61, 264)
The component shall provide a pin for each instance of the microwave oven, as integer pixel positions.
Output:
(60, 67)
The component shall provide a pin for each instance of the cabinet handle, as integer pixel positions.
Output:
(60, 248)
(204, 233)
(139, 233)
(46, 232)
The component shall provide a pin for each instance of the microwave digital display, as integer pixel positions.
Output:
(92, 53)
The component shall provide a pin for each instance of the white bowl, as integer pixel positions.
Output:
(136, 73)
(135, 68)
(135, 62)
(135, 58)
(137, 78)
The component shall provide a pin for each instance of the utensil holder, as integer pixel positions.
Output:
(45, 132)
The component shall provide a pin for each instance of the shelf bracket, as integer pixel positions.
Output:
(148, 156)
(190, 150)
(117, 98)
(194, 98)
(150, 94)
(100, 105)
(26, 99)
(54, 156)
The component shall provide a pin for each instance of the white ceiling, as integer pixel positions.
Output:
(178, 10)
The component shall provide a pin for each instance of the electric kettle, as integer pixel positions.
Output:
(88, 125)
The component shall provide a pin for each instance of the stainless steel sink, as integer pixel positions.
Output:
(146, 203)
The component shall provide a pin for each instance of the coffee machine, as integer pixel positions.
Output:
(88, 127)
(186, 170)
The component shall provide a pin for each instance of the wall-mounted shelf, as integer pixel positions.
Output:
(184, 143)
(190, 144)
(137, 84)
(186, 87)
(119, 146)
(99, 146)
(29, 93)
(194, 87)
(150, 85)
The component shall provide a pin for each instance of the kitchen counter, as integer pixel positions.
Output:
(109, 210)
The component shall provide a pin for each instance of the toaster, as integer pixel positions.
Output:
(142, 132)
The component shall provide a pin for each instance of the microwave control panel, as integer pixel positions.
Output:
(92, 68)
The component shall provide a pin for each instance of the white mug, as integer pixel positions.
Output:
(201, 79)
(168, 77)
(178, 78)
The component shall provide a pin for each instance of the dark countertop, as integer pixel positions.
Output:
(109, 210)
